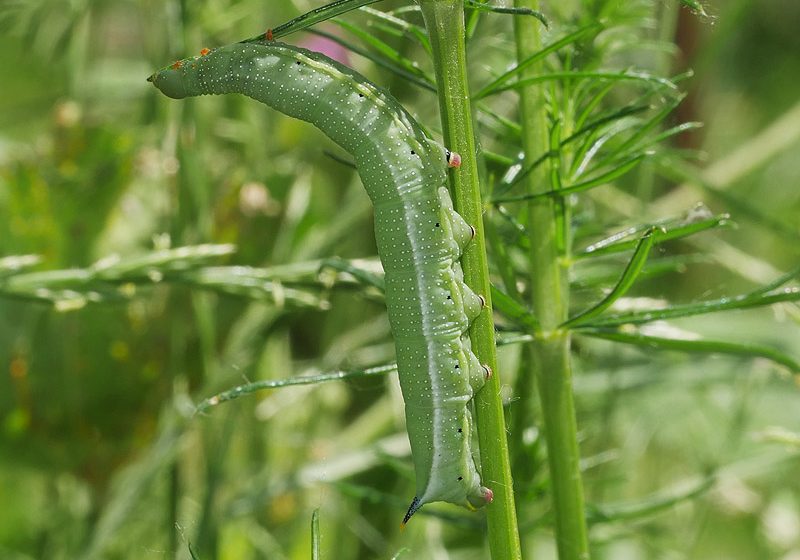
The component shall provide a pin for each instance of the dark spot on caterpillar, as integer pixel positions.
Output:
(456, 366)
(460, 478)
(413, 153)
(437, 224)
(449, 297)
(297, 62)
(361, 95)
(460, 431)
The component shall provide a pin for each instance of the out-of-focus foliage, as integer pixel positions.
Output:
(101, 454)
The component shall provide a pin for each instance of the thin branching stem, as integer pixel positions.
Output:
(444, 20)
(549, 246)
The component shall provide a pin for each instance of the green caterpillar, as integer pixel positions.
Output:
(419, 236)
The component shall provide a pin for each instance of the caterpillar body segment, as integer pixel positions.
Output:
(419, 236)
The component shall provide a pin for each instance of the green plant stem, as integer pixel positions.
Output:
(549, 299)
(444, 20)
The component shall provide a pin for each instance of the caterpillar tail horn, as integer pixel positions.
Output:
(412, 509)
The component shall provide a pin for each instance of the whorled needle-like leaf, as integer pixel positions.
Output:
(484, 7)
(315, 535)
(778, 282)
(513, 310)
(746, 301)
(629, 276)
(385, 51)
(512, 179)
(590, 107)
(404, 26)
(645, 128)
(158, 262)
(670, 230)
(192, 552)
(654, 268)
(669, 133)
(365, 277)
(695, 345)
(586, 152)
(625, 75)
(250, 388)
(310, 18)
(617, 114)
(595, 181)
(695, 6)
(777, 434)
(248, 282)
(15, 263)
(412, 77)
(648, 506)
(555, 46)
(115, 279)
(507, 127)
(678, 170)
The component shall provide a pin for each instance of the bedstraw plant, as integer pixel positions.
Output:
(153, 273)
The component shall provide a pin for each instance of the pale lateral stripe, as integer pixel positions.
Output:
(431, 357)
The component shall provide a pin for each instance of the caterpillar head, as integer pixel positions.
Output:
(170, 81)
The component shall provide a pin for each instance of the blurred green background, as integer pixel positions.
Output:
(100, 456)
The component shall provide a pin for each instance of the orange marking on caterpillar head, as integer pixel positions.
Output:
(177, 64)
(204, 52)
(268, 35)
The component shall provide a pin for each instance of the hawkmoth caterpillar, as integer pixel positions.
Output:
(419, 235)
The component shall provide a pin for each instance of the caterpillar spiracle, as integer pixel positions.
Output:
(419, 235)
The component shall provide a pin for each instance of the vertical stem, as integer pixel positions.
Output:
(549, 239)
(444, 20)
